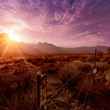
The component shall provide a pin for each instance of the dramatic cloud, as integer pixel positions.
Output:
(62, 22)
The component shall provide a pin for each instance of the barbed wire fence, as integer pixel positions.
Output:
(43, 100)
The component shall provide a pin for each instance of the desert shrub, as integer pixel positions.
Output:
(86, 68)
(77, 82)
(3, 100)
(107, 75)
(51, 68)
(75, 68)
(106, 58)
(69, 75)
(102, 67)
(71, 68)
(108, 61)
(16, 79)
(93, 58)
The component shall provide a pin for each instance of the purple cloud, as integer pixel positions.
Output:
(62, 22)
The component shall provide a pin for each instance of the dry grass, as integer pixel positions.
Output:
(82, 90)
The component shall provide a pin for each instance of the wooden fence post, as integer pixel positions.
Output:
(38, 91)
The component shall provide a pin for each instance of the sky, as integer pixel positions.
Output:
(69, 23)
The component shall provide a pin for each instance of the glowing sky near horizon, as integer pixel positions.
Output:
(61, 22)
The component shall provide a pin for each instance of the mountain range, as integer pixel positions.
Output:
(20, 49)
(47, 48)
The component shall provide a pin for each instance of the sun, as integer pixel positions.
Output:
(13, 36)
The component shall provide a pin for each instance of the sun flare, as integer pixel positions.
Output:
(13, 36)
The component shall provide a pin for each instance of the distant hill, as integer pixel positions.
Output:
(103, 49)
(47, 48)
(22, 49)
